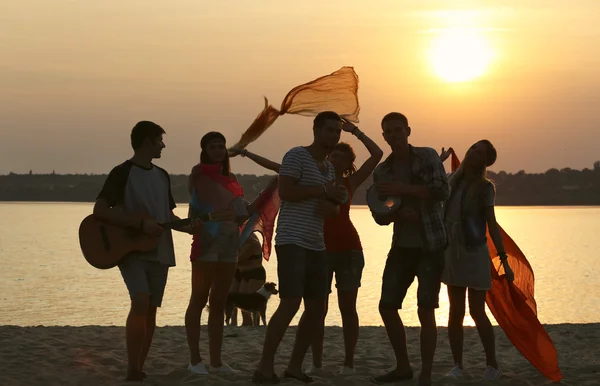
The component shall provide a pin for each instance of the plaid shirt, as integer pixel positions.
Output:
(426, 169)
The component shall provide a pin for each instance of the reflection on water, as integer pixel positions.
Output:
(44, 279)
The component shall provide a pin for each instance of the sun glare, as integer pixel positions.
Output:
(459, 55)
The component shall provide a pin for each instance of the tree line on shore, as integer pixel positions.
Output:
(554, 187)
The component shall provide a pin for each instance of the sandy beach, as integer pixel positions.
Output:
(94, 355)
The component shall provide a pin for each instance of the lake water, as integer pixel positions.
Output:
(44, 279)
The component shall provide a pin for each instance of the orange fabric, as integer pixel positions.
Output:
(334, 92)
(263, 220)
(514, 305)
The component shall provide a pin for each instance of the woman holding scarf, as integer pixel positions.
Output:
(467, 268)
(215, 191)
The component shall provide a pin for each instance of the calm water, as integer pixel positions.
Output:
(44, 279)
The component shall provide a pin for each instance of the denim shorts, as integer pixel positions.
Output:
(347, 267)
(302, 273)
(401, 268)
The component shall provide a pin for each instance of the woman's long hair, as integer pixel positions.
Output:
(479, 176)
(346, 148)
(204, 157)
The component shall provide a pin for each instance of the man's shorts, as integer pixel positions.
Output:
(302, 272)
(145, 276)
(401, 268)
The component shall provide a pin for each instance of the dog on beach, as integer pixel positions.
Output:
(255, 303)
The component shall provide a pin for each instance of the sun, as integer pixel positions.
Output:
(460, 55)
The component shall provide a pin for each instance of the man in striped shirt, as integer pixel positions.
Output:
(308, 194)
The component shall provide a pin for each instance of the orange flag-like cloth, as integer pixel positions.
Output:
(263, 220)
(334, 92)
(513, 306)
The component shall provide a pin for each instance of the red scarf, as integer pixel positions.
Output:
(215, 173)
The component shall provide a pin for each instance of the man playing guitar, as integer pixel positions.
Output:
(133, 187)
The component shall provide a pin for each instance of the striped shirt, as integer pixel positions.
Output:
(298, 222)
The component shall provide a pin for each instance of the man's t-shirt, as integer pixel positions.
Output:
(298, 222)
(140, 190)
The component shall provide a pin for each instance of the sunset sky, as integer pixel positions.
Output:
(75, 76)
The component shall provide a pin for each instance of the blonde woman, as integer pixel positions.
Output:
(468, 211)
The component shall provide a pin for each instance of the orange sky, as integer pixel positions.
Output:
(76, 76)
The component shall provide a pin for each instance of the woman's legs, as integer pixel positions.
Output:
(456, 296)
(347, 303)
(218, 297)
(317, 343)
(202, 277)
(236, 287)
(484, 326)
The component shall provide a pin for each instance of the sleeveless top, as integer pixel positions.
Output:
(340, 233)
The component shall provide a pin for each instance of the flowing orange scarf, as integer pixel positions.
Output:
(263, 219)
(337, 92)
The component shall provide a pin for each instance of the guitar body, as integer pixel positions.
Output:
(104, 244)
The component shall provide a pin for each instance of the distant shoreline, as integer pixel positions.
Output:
(555, 188)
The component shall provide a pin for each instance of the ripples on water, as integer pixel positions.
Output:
(44, 279)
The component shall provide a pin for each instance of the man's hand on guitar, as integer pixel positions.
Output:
(151, 228)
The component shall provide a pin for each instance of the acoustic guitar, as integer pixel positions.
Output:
(105, 244)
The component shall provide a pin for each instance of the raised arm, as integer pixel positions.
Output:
(262, 161)
(369, 165)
